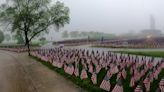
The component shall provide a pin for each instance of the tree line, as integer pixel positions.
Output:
(91, 35)
(4, 37)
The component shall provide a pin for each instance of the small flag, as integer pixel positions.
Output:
(118, 76)
(138, 89)
(124, 73)
(54, 63)
(59, 65)
(90, 68)
(94, 78)
(147, 84)
(118, 87)
(114, 70)
(69, 69)
(132, 82)
(83, 74)
(109, 74)
(98, 68)
(105, 84)
(161, 85)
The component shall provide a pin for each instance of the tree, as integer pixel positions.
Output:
(7, 37)
(65, 34)
(30, 18)
(42, 39)
(74, 34)
(1, 36)
(84, 34)
(19, 38)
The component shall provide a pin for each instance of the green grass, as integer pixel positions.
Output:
(96, 46)
(87, 84)
(39, 42)
(144, 53)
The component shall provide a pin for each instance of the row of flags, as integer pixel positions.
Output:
(142, 68)
(134, 43)
(130, 45)
(19, 49)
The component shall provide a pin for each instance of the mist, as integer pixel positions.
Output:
(111, 16)
(114, 16)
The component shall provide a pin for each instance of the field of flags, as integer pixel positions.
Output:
(111, 72)
(133, 43)
(154, 42)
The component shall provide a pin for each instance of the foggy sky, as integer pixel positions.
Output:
(114, 16)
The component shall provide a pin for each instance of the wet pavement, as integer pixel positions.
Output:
(89, 47)
(19, 73)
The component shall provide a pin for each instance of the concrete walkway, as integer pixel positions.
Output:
(19, 73)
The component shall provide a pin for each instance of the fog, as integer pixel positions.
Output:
(114, 16)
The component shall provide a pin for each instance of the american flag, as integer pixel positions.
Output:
(132, 81)
(114, 69)
(118, 87)
(45, 58)
(90, 68)
(88, 60)
(65, 67)
(138, 89)
(98, 68)
(124, 73)
(162, 64)
(54, 63)
(118, 76)
(69, 69)
(94, 78)
(161, 85)
(147, 84)
(83, 74)
(105, 84)
(109, 74)
(59, 65)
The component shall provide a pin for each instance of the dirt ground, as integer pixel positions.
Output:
(19, 73)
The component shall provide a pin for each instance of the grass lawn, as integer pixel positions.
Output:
(145, 53)
(87, 84)
(96, 46)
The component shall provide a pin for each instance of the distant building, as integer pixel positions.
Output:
(152, 32)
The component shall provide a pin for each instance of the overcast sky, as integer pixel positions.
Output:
(114, 16)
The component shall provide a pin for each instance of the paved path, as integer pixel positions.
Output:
(50, 45)
(19, 73)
